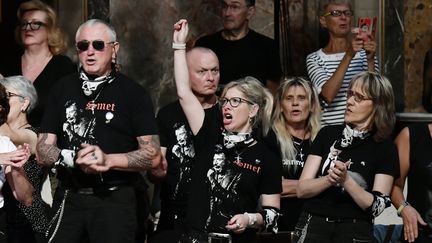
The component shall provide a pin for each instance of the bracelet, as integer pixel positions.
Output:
(401, 207)
(179, 46)
(252, 218)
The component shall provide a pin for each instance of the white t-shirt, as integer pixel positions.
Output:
(5, 146)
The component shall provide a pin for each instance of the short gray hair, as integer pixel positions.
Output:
(24, 87)
(93, 22)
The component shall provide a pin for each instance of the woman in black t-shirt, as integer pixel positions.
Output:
(232, 170)
(295, 123)
(350, 169)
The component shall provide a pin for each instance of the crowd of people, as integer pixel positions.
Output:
(242, 150)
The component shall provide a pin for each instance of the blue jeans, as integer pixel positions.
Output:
(313, 228)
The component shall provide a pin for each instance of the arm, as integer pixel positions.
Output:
(289, 188)
(253, 220)
(189, 103)
(332, 86)
(308, 185)
(20, 185)
(410, 216)
(47, 151)
(92, 159)
(370, 48)
(160, 171)
(383, 183)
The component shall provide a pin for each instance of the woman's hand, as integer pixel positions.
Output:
(337, 175)
(410, 218)
(181, 31)
(370, 47)
(238, 223)
(17, 158)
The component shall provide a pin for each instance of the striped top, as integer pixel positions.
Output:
(320, 67)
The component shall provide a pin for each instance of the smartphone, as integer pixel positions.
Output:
(366, 27)
(219, 238)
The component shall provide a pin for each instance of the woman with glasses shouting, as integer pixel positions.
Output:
(346, 54)
(232, 169)
(43, 42)
(348, 175)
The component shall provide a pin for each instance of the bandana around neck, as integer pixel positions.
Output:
(232, 139)
(350, 135)
(91, 87)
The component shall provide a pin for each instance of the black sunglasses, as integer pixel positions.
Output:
(98, 45)
(33, 25)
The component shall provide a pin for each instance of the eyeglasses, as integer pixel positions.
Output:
(33, 25)
(11, 94)
(337, 13)
(234, 101)
(98, 45)
(357, 97)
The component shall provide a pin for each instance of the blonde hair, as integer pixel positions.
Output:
(56, 39)
(254, 91)
(284, 138)
(380, 90)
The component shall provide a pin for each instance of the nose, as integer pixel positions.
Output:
(210, 76)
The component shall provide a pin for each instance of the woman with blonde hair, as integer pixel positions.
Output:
(43, 43)
(295, 123)
(233, 172)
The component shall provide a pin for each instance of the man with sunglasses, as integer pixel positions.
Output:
(115, 137)
(177, 143)
(242, 51)
(346, 54)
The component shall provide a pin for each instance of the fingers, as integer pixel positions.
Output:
(180, 24)
(237, 224)
(90, 154)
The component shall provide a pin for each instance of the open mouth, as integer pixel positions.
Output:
(227, 118)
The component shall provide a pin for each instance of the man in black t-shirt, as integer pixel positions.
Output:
(241, 51)
(98, 131)
(177, 142)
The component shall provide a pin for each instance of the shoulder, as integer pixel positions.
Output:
(169, 108)
(123, 81)
(313, 55)
(206, 39)
(260, 37)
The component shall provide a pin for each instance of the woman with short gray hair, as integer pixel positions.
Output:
(22, 98)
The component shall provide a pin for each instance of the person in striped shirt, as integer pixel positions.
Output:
(346, 54)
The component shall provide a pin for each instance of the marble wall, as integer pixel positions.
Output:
(144, 31)
(418, 40)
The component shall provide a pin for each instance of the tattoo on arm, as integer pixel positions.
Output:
(48, 153)
(149, 149)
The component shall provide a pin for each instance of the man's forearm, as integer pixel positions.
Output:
(148, 156)
(47, 153)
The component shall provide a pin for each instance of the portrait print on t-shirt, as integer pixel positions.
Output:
(185, 152)
(223, 180)
(77, 127)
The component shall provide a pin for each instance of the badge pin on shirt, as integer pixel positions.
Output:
(108, 117)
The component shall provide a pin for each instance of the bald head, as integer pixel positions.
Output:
(203, 66)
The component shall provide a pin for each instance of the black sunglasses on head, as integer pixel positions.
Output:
(98, 45)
